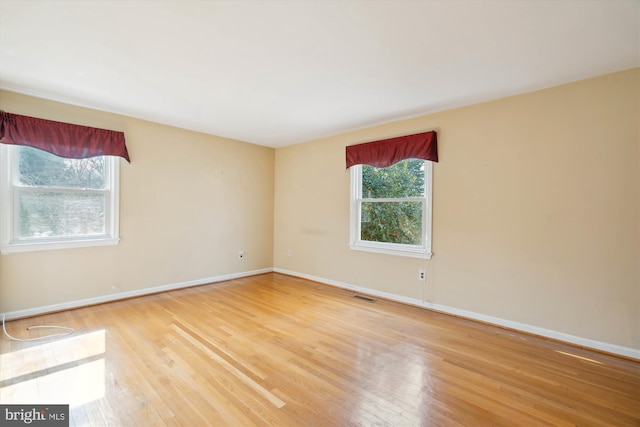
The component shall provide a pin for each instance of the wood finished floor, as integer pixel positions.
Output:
(276, 350)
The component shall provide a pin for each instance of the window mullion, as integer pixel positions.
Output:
(25, 188)
(394, 200)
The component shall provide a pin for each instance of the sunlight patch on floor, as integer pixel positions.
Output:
(66, 371)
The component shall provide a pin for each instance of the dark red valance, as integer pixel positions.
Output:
(387, 152)
(62, 139)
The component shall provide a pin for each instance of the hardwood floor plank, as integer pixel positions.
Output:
(273, 350)
(189, 335)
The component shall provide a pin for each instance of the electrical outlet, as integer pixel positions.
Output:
(289, 252)
(422, 275)
(241, 254)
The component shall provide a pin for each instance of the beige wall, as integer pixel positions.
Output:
(536, 211)
(189, 203)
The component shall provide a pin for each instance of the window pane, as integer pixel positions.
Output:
(404, 179)
(54, 214)
(37, 168)
(392, 222)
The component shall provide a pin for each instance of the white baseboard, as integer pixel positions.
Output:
(560, 336)
(131, 294)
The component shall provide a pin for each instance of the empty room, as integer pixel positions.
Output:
(320, 213)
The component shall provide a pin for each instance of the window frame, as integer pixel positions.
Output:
(9, 241)
(399, 249)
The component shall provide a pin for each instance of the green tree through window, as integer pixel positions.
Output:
(391, 208)
(49, 213)
(389, 219)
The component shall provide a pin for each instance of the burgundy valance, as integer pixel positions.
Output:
(62, 139)
(387, 152)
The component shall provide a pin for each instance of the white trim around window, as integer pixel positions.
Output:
(414, 251)
(9, 239)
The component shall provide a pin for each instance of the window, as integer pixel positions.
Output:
(391, 208)
(50, 202)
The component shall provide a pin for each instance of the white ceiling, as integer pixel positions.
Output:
(282, 72)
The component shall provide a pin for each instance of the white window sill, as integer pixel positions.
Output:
(48, 246)
(397, 250)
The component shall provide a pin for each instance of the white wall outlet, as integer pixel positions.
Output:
(422, 275)
(289, 252)
(241, 254)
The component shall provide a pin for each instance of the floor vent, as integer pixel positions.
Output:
(364, 298)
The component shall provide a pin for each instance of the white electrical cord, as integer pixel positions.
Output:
(69, 331)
